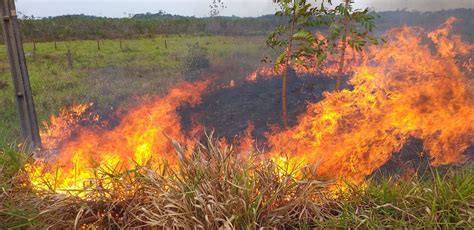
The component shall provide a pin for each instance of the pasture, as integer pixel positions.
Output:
(113, 76)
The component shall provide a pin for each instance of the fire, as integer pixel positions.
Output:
(328, 69)
(247, 142)
(407, 88)
(142, 137)
(264, 72)
(449, 46)
(61, 126)
(402, 90)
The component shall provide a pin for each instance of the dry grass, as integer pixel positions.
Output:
(216, 189)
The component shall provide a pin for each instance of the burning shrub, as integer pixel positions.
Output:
(196, 58)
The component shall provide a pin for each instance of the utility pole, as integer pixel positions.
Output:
(21, 80)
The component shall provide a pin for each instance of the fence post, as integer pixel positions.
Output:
(70, 62)
(21, 81)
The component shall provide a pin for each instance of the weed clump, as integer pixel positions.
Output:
(196, 58)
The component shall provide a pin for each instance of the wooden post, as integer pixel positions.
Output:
(70, 63)
(166, 44)
(34, 51)
(21, 81)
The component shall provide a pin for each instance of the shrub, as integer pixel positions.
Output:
(196, 58)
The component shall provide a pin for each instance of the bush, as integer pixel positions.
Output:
(196, 58)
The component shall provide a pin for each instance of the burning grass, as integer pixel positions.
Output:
(316, 174)
(216, 189)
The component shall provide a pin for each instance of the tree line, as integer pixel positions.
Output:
(82, 27)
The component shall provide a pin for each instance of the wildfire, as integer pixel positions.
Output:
(63, 125)
(143, 137)
(264, 72)
(405, 89)
(328, 69)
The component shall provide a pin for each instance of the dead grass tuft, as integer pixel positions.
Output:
(213, 188)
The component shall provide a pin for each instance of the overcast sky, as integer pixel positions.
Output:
(200, 8)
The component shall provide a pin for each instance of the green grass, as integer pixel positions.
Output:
(112, 76)
(433, 199)
(10, 163)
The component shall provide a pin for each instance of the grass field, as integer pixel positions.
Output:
(213, 189)
(112, 76)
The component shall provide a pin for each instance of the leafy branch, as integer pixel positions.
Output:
(344, 26)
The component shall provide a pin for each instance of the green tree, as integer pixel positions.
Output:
(298, 42)
(352, 28)
(347, 27)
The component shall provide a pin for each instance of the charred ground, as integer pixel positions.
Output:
(229, 110)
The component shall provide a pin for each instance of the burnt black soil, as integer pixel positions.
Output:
(228, 111)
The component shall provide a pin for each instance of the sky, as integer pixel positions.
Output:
(200, 8)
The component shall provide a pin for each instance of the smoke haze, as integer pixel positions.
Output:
(200, 8)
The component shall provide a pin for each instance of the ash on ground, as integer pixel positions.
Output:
(229, 110)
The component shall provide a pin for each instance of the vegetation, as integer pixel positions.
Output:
(82, 27)
(143, 66)
(215, 189)
(302, 16)
(352, 28)
(341, 27)
(196, 58)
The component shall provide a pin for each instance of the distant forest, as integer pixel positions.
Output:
(82, 27)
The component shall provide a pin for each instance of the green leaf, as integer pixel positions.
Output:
(303, 34)
(279, 61)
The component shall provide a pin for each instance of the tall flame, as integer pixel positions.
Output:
(60, 127)
(143, 136)
(414, 86)
(403, 90)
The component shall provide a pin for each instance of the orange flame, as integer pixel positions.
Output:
(402, 90)
(61, 126)
(247, 142)
(264, 72)
(143, 137)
